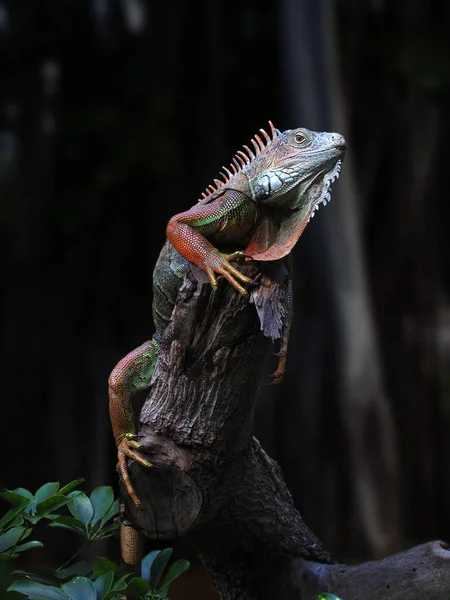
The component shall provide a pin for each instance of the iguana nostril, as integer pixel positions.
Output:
(339, 141)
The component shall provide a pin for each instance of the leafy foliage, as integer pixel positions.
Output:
(90, 515)
(328, 597)
(105, 581)
(93, 518)
(26, 512)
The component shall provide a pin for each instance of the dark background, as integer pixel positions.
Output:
(115, 115)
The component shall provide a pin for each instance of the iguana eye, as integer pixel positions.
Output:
(300, 138)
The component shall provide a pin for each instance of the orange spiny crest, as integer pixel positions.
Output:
(250, 152)
(241, 162)
(260, 142)
(274, 131)
(266, 137)
(241, 159)
(256, 147)
(244, 156)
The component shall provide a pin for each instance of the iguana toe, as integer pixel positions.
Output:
(127, 449)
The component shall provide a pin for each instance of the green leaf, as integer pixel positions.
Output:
(46, 490)
(101, 499)
(70, 486)
(328, 597)
(137, 587)
(68, 522)
(103, 565)
(8, 556)
(79, 568)
(13, 512)
(119, 586)
(51, 504)
(28, 530)
(11, 537)
(45, 578)
(16, 497)
(30, 518)
(35, 590)
(103, 584)
(112, 512)
(17, 521)
(81, 507)
(69, 527)
(175, 570)
(158, 565)
(80, 588)
(23, 492)
(107, 532)
(146, 564)
(29, 546)
(113, 594)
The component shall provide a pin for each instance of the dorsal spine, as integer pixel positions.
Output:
(242, 159)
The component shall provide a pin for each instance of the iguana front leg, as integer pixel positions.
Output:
(132, 373)
(232, 217)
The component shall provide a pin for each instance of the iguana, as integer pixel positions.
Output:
(260, 209)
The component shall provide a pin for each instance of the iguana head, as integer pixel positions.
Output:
(288, 175)
(289, 178)
(296, 169)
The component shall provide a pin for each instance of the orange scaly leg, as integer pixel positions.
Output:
(186, 232)
(132, 373)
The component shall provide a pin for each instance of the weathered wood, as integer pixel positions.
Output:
(211, 483)
(423, 572)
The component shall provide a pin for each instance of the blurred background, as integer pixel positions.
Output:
(115, 115)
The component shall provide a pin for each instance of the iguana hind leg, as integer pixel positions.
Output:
(132, 373)
(289, 309)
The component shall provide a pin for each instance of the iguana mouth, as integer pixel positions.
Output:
(325, 194)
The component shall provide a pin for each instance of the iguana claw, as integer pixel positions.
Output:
(126, 448)
(218, 263)
(255, 282)
(278, 375)
(235, 256)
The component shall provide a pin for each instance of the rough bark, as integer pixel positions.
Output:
(210, 482)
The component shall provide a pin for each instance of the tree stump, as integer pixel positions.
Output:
(213, 483)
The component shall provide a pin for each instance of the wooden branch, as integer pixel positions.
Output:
(212, 483)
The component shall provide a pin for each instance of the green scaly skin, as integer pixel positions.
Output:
(260, 210)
